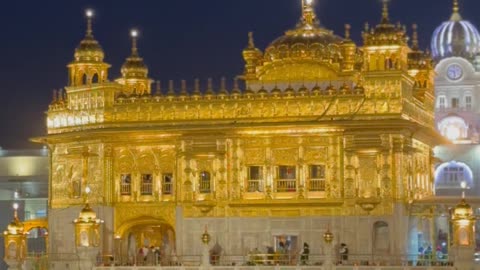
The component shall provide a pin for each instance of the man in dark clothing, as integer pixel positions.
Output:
(305, 252)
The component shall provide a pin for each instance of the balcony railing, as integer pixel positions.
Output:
(286, 185)
(167, 188)
(255, 186)
(125, 189)
(146, 189)
(316, 185)
(277, 261)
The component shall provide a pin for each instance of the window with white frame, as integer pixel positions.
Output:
(286, 179)
(125, 184)
(146, 187)
(167, 184)
(442, 100)
(255, 179)
(316, 181)
(468, 103)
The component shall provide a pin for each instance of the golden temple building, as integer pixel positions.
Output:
(322, 133)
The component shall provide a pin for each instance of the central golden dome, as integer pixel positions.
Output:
(307, 40)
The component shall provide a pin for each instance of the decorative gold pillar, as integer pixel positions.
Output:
(205, 251)
(15, 242)
(463, 222)
(87, 236)
(87, 228)
(328, 239)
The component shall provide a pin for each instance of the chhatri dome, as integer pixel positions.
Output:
(455, 37)
(308, 52)
(89, 50)
(308, 36)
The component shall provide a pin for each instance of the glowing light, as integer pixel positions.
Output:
(88, 190)
(134, 33)
(309, 2)
(89, 13)
(15, 206)
(453, 133)
(463, 184)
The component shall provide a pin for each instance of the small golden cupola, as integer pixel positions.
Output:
(386, 45)
(308, 53)
(88, 67)
(420, 67)
(386, 33)
(134, 71)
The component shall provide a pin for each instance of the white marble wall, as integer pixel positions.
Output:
(239, 235)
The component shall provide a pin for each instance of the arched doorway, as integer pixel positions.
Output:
(381, 238)
(145, 242)
(37, 237)
(37, 241)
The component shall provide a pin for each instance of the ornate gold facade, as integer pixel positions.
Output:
(322, 128)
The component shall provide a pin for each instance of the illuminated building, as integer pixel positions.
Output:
(325, 134)
(455, 49)
(24, 181)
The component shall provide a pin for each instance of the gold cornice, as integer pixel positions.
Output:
(310, 203)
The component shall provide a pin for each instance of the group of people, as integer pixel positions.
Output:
(154, 256)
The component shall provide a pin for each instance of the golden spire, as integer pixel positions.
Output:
(251, 42)
(89, 15)
(347, 31)
(456, 12)
(158, 88)
(385, 13)
(308, 14)
(134, 35)
(456, 8)
(415, 46)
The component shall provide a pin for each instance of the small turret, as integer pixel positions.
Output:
(88, 67)
(252, 57)
(134, 71)
(349, 49)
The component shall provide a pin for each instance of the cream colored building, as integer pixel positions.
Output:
(325, 134)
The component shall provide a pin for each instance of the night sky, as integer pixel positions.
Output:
(180, 39)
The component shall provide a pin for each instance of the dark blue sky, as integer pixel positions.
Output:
(180, 39)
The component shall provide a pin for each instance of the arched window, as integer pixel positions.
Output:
(205, 182)
(453, 128)
(84, 79)
(441, 102)
(450, 175)
(381, 238)
(95, 78)
(468, 102)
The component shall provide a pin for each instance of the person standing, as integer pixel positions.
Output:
(305, 253)
(344, 253)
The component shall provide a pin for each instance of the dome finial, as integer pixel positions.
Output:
(347, 31)
(89, 14)
(415, 37)
(308, 14)
(251, 42)
(456, 8)
(134, 35)
(456, 12)
(385, 13)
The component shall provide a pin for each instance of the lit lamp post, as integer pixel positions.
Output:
(15, 242)
(463, 222)
(87, 233)
(328, 238)
(205, 252)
